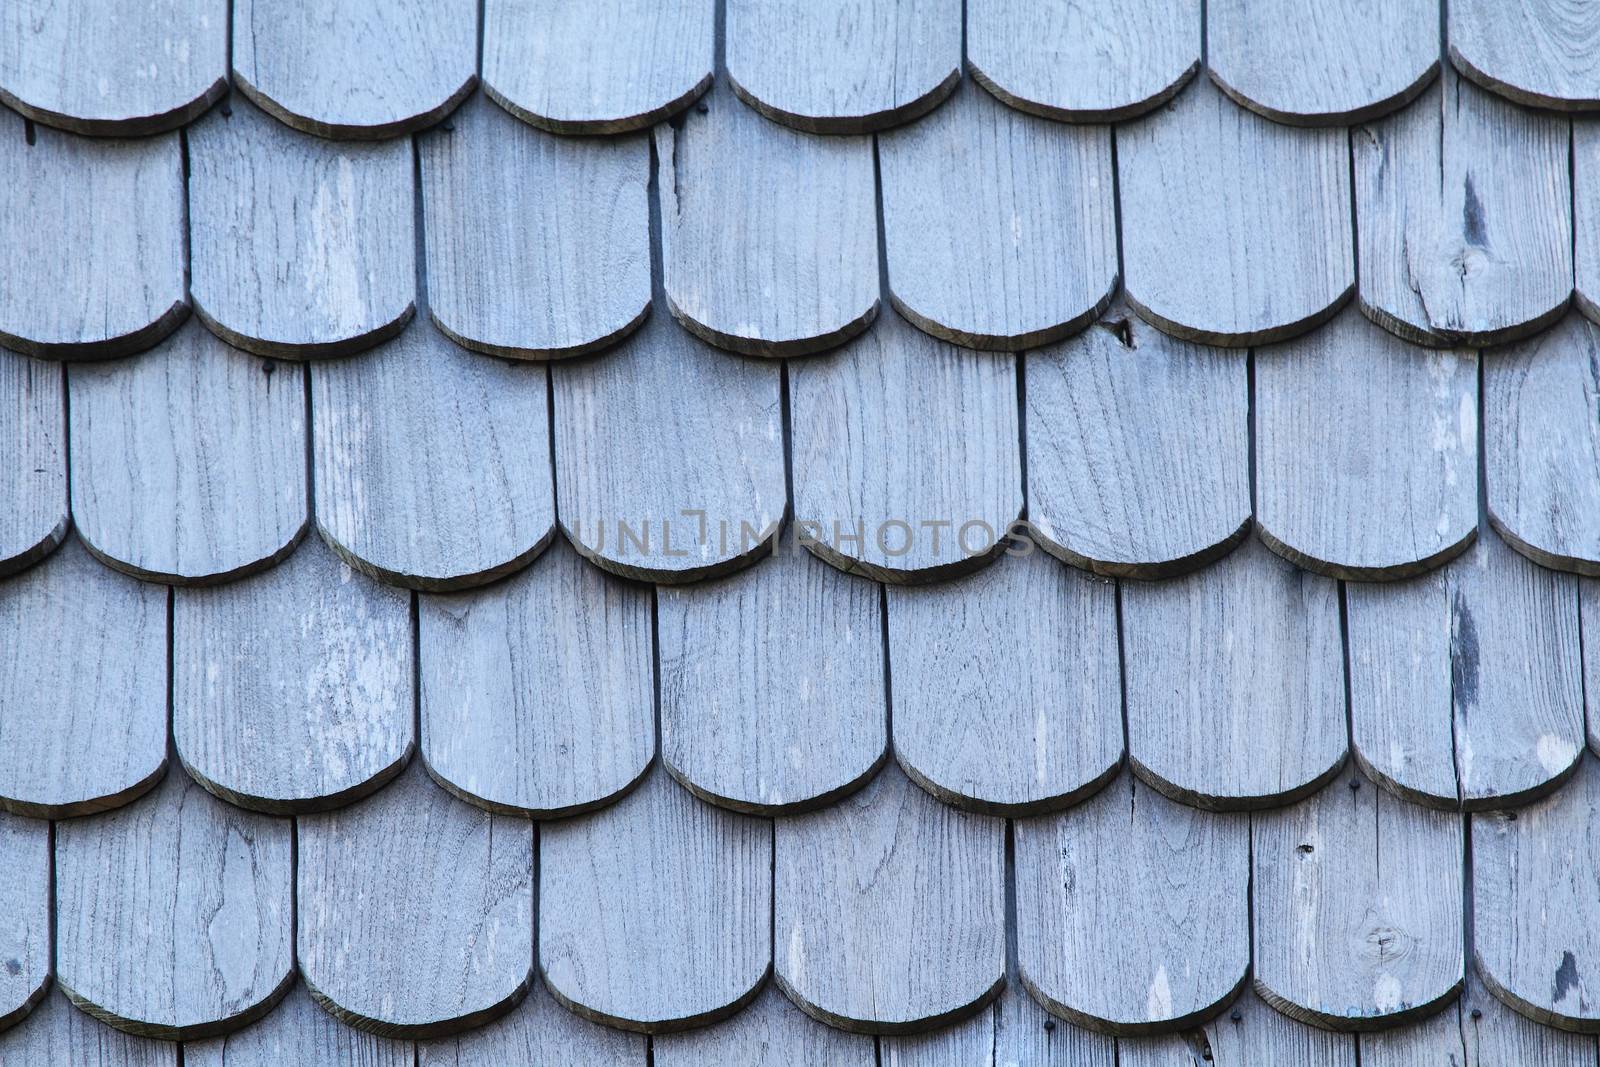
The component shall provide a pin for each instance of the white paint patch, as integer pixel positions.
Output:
(1158, 1001)
(1555, 753)
(1386, 993)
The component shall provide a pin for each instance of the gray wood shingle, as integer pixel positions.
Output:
(83, 685)
(300, 247)
(1235, 229)
(537, 1031)
(432, 464)
(890, 909)
(1012, 1032)
(769, 236)
(1464, 218)
(327, 716)
(1138, 450)
(582, 66)
(415, 911)
(1323, 62)
(1366, 451)
(1479, 1031)
(33, 477)
(298, 1032)
(367, 71)
(109, 69)
(188, 461)
(26, 956)
(1007, 686)
(175, 914)
(100, 225)
(655, 912)
(843, 66)
(772, 684)
(1586, 215)
(771, 1032)
(1133, 911)
(538, 246)
(1536, 52)
(536, 691)
(57, 1032)
(1000, 228)
(1251, 1034)
(1080, 61)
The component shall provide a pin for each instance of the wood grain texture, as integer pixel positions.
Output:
(1000, 228)
(654, 912)
(1012, 1031)
(771, 1032)
(26, 932)
(1235, 230)
(1536, 52)
(769, 236)
(109, 69)
(100, 225)
(415, 911)
(327, 717)
(33, 478)
(1541, 426)
(1081, 61)
(1251, 1034)
(1007, 686)
(300, 247)
(1319, 63)
(579, 66)
(298, 1032)
(538, 245)
(1366, 451)
(1235, 682)
(1479, 1031)
(362, 71)
(1536, 935)
(57, 1032)
(432, 464)
(1138, 450)
(1132, 911)
(843, 66)
(1356, 907)
(537, 692)
(188, 461)
(536, 1032)
(1464, 217)
(1589, 623)
(772, 684)
(1586, 215)
(890, 910)
(175, 914)
(83, 687)
(906, 454)
(669, 456)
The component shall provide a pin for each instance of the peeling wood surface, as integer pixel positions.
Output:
(1537, 52)
(1464, 215)
(301, 247)
(415, 911)
(538, 246)
(26, 955)
(298, 1032)
(581, 66)
(1542, 446)
(363, 71)
(1138, 450)
(1132, 911)
(1323, 62)
(1000, 228)
(910, 442)
(57, 1032)
(768, 235)
(1235, 682)
(843, 66)
(1235, 229)
(771, 1032)
(101, 220)
(655, 912)
(772, 684)
(84, 726)
(1007, 686)
(188, 461)
(175, 914)
(669, 456)
(890, 910)
(1366, 451)
(1081, 61)
(327, 717)
(432, 464)
(536, 692)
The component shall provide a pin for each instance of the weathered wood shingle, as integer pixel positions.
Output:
(1536, 52)
(33, 476)
(27, 934)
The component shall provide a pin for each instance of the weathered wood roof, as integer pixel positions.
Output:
(787, 532)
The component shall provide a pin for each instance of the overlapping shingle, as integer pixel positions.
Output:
(33, 480)
(26, 940)
(1536, 52)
